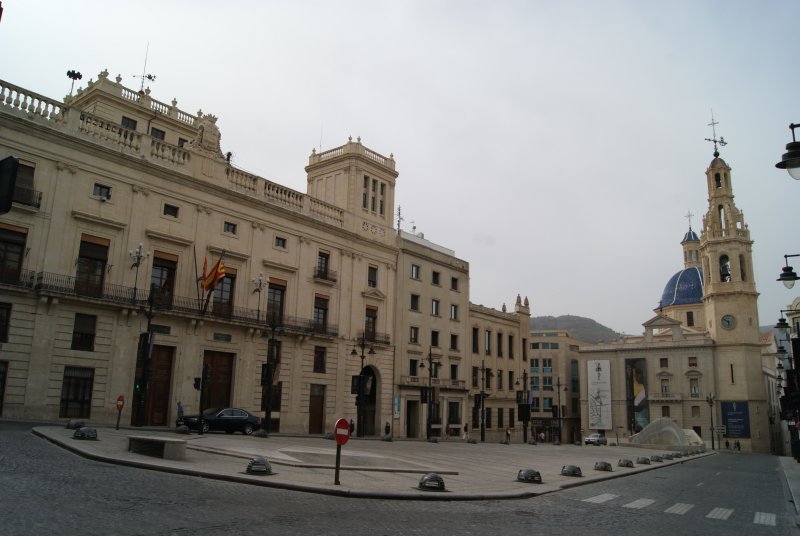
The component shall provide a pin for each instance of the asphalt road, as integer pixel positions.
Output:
(46, 490)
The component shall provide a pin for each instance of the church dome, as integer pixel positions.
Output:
(690, 236)
(683, 288)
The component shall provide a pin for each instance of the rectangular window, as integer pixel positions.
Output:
(453, 413)
(320, 314)
(435, 307)
(415, 302)
(453, 283)
(500, 422)
(663, 362)
(488, 417)
(487, 342)
(223, 295)
(534, 346)
(157, 133)
(535, 404)
(275, 302)
(689, 318)
(453, 312)
(182, 142)
(696, 412)
(453, 372)
(475, 335)
(511, 417)
(665, 411)
(453, 341)
(128, 123)
(372, 276)
(733, 380)
(664, 386)
(547, 383)
(12, 252)
(102, 191)
(229, 228)
(91, 268)
(435, 278)
(694, 388)
(499, 379)
(323, 264)
(534, 383)
(534, 364)
(547, 364)
(76, 393)
(524, 349)
(548, 404)
(280, 242)
(434, 338)
(370, 323)
(499, 345)
(5, 321)
(511, 347)
(83, 332)
(170, 210)
(488, 378)
(692, 361)
(413, 367)
(510, 379)
(475, 371)
(319, 359)
(414, 271)
(162, 280)
(414, 335)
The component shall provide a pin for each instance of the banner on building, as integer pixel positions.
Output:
(599, 385)
(736, 419)
(636, 393)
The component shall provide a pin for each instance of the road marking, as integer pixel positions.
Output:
(700, 484)
(679, 508)
(720, 513)
(599, 499)
(639, 503)
(763, 518)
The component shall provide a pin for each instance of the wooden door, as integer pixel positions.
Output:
(316, 410)
(157, 401)
(217, 394)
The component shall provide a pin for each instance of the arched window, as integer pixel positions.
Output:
(722, 223)
(717, 180)
(724, 269)
(742, 271)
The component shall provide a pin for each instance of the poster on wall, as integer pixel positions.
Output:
(636, 394)
(736, 419)
(599, 385)
(396, 406)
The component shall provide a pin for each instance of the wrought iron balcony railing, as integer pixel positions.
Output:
(27, 196)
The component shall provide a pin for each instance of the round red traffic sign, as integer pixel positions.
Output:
(341, 431)
(120, 402)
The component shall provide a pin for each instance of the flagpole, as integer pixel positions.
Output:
(197, 279)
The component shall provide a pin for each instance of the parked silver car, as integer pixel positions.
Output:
(595, 439)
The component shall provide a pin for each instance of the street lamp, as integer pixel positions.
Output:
(429, 397)
(137, 256)
(268, 369)
(558, 387)
(788, 275)
(790, 161)
(143, 359)
(259, 283)
(483, 398)
(524, 409)
(361, 396)
(710, 400)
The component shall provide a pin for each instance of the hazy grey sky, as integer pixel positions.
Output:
(556, 146)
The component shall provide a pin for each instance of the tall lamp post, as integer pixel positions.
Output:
(362, 343)
(137, 256)
(143, 359)
(790, 401)
(710, 401)
(483, 399)
(259, 286)
(523, 408)
(429, 397)
(558, 387)
(791, 158)
(268, 370)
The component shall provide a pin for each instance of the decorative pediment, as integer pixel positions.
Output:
(214, 250)
(278, 266)
(85, 216)
(660, 322)
(374, 294)
(157, 235)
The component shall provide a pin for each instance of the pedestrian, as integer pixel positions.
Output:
(387, 429)
(466, 432)
(508, 436)
(180, 412)
(727, 445)
(541, 437)
(352, 427)
(737, 445)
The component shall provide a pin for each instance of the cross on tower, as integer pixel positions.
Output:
(689, 217)
(721, 141)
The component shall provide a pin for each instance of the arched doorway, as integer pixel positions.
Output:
(369, 404)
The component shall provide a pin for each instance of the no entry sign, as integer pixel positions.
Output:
(120, 402)
(341, 431)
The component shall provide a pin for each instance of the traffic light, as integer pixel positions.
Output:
(137, 385)
(197, 383)
(8, 180)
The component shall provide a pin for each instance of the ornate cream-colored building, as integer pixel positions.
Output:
(700, 359)
(122, 200)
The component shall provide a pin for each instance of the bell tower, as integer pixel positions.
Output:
(730, 303)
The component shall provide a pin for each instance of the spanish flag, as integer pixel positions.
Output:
(212, 277)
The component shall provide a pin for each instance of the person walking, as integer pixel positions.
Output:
(466, 432)
(180, 413)
(508, 436)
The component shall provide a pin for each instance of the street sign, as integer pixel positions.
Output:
(120, 402)
(342, 431)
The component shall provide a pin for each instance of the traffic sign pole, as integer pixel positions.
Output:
(120, 405)
(341, 432)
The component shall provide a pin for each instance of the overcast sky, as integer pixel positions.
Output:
(555, 146)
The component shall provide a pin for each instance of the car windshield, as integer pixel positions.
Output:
(210, 412)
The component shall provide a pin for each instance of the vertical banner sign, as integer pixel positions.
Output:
(736, 419)
(636, 393)
(598, 376)
(396, 406)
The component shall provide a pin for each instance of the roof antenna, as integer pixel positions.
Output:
(713, 124)
(144, 75)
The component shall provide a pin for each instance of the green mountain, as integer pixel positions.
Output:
(580, 328)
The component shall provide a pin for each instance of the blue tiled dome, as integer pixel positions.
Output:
(690, 236)
(685, 287)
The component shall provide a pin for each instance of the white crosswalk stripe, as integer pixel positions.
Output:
(639, 503)
(599, 499)
(679, 508)
(763, 518)
(720, 513)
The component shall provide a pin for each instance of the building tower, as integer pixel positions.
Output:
(730, 304)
